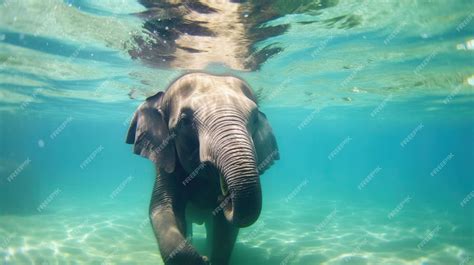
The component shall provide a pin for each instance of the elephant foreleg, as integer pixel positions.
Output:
(167, 218)
(223, 236)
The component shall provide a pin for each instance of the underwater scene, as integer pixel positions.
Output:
(370, 102)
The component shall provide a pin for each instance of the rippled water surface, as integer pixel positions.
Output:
(371, 103)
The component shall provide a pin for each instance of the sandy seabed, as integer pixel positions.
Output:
(295, 232)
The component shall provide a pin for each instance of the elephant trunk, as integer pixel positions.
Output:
(241, 179)
(231, 150)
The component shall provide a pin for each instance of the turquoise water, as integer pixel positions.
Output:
(371, 104)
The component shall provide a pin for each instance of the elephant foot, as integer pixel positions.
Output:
(186, 260)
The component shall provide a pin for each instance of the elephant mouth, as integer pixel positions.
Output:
(239, 198)
(226, 203)
(239, 209)
(223, 184)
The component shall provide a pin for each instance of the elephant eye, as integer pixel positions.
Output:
(184, 120)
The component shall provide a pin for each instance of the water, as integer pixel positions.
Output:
(371, 103)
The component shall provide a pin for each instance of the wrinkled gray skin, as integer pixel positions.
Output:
(209, 143)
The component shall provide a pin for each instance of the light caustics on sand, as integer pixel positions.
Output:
(283, 233)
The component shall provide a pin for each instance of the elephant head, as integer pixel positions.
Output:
(215, 120)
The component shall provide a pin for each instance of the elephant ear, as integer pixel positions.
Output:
(265, 144)
(150, 135)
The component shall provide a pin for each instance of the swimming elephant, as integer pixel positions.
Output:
(209, 143)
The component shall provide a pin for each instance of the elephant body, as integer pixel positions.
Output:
(209, 143)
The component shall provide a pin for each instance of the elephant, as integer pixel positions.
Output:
(209, 144)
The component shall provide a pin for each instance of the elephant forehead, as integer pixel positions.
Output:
(225, 99)
(204, 93)
(201, 83)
